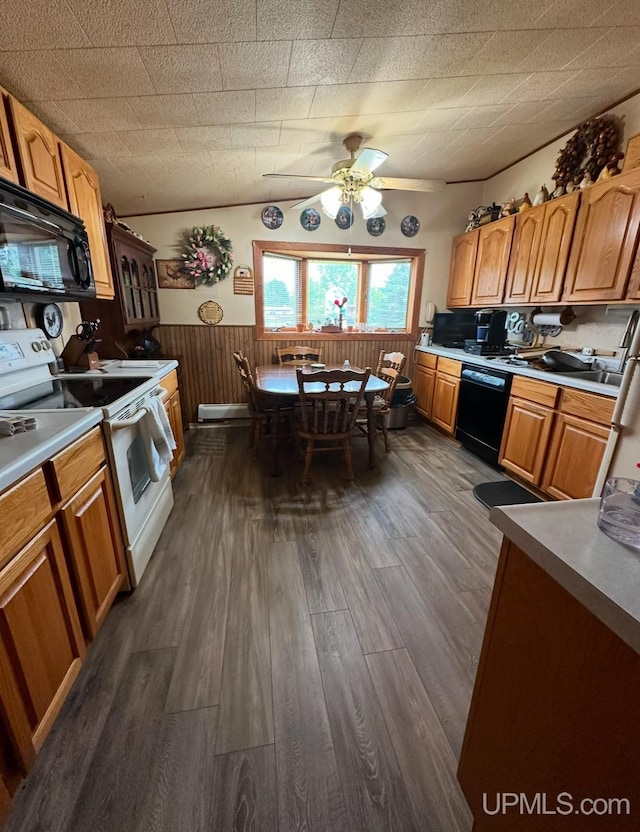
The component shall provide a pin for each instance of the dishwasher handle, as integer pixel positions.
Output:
(494, 381)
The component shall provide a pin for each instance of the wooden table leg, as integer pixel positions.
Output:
(371, 428)
(275, 438)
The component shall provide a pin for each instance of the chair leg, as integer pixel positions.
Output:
(346, 447)
(307, 461)
(256, 438)
(385, 433)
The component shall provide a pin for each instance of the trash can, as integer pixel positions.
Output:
(403, 398)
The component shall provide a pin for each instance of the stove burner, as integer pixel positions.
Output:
(68, 393)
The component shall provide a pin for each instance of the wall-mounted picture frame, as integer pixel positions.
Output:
(171, 275)
(243, 280)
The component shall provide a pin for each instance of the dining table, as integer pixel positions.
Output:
(281, 380)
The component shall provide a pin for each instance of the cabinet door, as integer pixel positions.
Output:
(95, 549)
(175, 419)
(423, 387)
(577, 448)
(8, 167)
(604, 241)
(526, 438)
(38, 148)
(85, 202)
(553, 254)
(41, 644)
(444, 409)
(463, 261)
(494, 245)
(524, 253)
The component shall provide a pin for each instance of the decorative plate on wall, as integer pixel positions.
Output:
(272, 217)
(376, 226)
(310, 219)
(210, 312)
(344, 217)
(49, 319)
(410, 226)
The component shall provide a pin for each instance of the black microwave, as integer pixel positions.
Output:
(44, 250)
(451, 329)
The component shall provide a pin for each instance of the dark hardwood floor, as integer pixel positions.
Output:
(294, 659)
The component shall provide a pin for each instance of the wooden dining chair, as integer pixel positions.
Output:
(298, 355)
(328, 412)
(390, 359)
(381, 406)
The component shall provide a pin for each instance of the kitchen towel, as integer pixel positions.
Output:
(158, 437)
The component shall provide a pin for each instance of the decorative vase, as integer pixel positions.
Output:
(340, 321)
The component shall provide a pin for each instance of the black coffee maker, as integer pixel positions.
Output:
(491, 334)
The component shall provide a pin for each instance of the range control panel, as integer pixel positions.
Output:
(21, 349)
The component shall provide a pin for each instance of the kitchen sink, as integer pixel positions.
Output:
(601, 376)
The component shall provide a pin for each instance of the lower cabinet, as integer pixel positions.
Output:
(174, 412)
(525, 439)
(445, 402)
(436, 385)
(423, 387)
(575, 454)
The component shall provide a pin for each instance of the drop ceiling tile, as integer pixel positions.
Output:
(203, 138)
(36, 75)
(304, 131)
(53, 116)
(104, 73)
(563, 49)
(105, 168)
(484, 116)
(503, 52)
(301, 19)
(277, 159)
(212, 21)
(141, 167)
(565, 14)
(445, 92)
(493, 89)
(315, 62)
(395, 97)
(474, 137)
(591, 82)
(540, 85)
(535, 134)
(225, 107)
(387, 96)
(143, 142)
(524, 113)
(254, 65)
(176, 69)
(260, 134)
(434, 121)
(99, 115)
(97, 145)
(575, 109)
(623, 11)
(124, 22)
(32, 22)
(285, 103)
(339, 99)
(394, 59)
(164, 110)
(610, 50)
(244, 158)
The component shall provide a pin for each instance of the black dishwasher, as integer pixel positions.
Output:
(482, 409)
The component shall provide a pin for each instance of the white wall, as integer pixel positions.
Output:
(22, 315)
(441, 215)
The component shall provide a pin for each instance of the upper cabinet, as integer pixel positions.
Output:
(38, 149)
(604, 242)
(85, 202)
(8, 168)
(553, 254)
(494, 245)
(524, 254)
(463, 263)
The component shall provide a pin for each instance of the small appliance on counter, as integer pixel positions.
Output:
(491, 333)
(452, 329)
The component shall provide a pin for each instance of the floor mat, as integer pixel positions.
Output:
(503, 493)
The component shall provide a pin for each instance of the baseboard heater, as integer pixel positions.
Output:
(217, 412)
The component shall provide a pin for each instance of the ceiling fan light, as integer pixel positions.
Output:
(331, 201)
(370, 201)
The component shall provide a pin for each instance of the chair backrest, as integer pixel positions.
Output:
(390, 359)
(391, 376)
(330, 400)
(298, 355)
(248, 384)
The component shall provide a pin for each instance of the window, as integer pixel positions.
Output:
(297, 287)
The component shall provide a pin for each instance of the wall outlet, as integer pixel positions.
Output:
(588, 350)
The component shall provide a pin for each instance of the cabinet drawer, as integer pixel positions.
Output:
(24, 507)
(534, 391)
(449, 366)
(587, 405)
(426, 359)
(75, 465)
(170, 382)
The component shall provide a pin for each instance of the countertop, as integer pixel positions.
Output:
(564, 540)
(562, 379)
(22, 452)
(134, 369)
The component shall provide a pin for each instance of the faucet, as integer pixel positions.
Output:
(627, 338)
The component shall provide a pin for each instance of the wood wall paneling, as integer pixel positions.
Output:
(210, 377)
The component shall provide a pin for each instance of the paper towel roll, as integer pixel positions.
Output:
(547, 319)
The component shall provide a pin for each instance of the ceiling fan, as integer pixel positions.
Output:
(353, 180)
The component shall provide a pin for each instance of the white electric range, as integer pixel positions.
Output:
(28, 384)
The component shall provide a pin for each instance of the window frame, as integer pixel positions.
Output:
(364, 255)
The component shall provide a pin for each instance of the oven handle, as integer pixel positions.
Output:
(127, 423)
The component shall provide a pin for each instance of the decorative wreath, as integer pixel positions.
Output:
(594, 144)
(206, 255)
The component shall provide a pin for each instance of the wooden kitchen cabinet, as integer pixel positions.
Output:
(604, 241)
(444, 408)
(95, 549)
(553, 253)
(41, 644)
(463, 261)
(85, 201)
(524, 255)
(494, 246)
(174, 414)
(424, 381)
(8, 167)
(38, 152)
(525, 438)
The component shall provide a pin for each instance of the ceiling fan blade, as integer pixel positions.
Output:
(307, 202)
(395, 184)
(380, 212)
(368, 160)
(298, 176)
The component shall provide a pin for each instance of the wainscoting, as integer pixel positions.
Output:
(210, 377)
